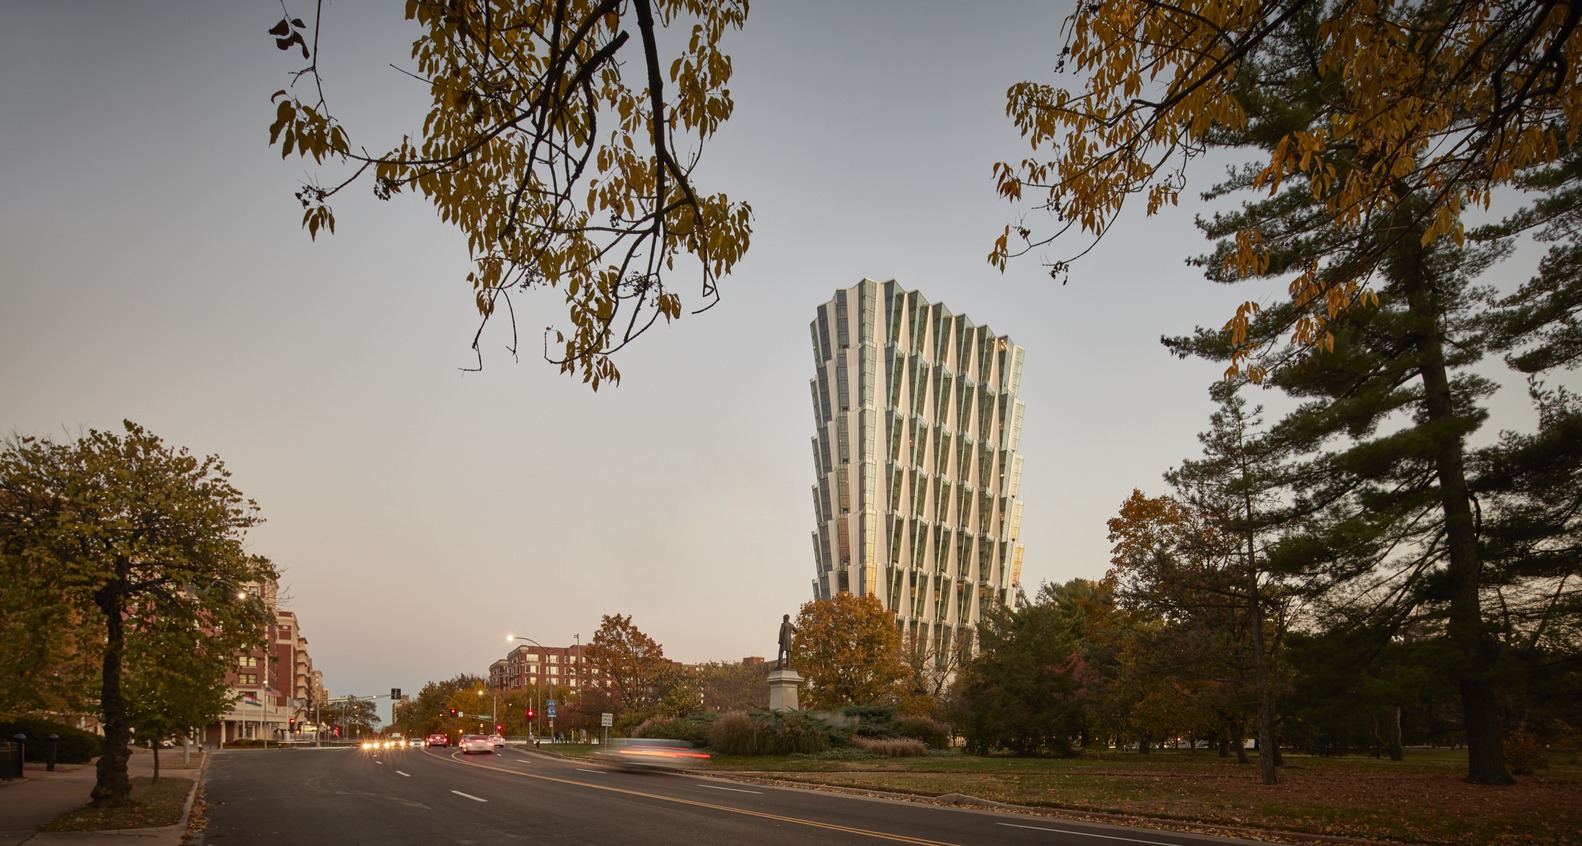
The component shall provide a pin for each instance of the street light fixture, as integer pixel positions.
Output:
(495, 713)
(538, 683)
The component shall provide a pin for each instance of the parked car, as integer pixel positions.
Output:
(651, 753)
(438, 740)
(471, 743)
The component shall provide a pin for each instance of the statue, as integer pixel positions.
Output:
(787, 629)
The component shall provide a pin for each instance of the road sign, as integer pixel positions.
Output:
(606, 720)
(549, 709)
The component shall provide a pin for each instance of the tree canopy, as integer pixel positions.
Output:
(1415, 109)
(850, 651)
(627, 665)
(562, 141)
(133, 540)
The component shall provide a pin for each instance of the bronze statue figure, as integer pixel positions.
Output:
(787, 629)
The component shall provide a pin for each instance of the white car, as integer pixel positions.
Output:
(471, 743)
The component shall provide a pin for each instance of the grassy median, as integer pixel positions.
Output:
(1419, 800)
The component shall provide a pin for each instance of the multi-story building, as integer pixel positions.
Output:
(916, 454)
(534, 667)
(272, 686)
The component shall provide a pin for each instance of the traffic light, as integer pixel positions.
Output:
(531, 713)
(499, 727)
(453, 712)
(395, 694)
(293, 723)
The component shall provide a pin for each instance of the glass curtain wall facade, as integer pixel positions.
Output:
(916, 455)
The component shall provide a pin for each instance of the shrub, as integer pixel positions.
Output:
(768, 733)
(926, 729)
(1524, 754)
(872, 720)
(74, 746)
(799, 733)
(891, 747)
(694, 730)
(734, 733)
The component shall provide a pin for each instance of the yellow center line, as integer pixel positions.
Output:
(881, 835)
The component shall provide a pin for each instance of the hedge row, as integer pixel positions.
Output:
(74, 746)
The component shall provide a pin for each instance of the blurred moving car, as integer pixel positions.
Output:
(438, 740)
(651, 753)
(471, 743)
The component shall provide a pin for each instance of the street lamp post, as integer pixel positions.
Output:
(538, 682)
(495, 713)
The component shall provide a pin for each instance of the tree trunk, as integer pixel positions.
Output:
(112, 786)
(1396, 750)
(1463, 573)
(1260, 654)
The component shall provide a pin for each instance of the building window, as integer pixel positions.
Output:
(247, 679)
(249, 661)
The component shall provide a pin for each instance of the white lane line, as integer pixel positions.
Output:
(731, 789)
(469, 796)
(524, 760)
(1090, 834)
(595, 772)
(399, 773)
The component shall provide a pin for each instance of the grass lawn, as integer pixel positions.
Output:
(1419, 800)
(152, 805)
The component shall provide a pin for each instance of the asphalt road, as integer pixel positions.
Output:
(348, 796)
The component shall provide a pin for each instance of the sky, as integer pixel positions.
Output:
(153, 268)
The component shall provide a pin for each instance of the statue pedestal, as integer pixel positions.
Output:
(783, 686)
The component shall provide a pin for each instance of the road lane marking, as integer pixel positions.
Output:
(676, 800)
(469, 796)
(595, 772)
(399, 773)
(732, 789)
(524, 760)
(1090, 834)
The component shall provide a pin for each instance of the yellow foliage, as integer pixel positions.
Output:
(1445, 102)
(507, 154)
(849, 649)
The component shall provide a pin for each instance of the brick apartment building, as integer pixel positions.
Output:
(273, 684)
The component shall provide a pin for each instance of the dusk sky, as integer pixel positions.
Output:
(152, 268)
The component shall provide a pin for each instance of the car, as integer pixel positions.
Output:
(471, 743)
(438, 740)
(416, 741)
(651, 753)
(497, 739)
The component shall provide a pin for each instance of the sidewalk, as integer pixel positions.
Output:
(41, 796)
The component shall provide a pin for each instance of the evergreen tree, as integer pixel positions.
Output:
(1239, 485)
(1387, 402)
(1022, 691)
